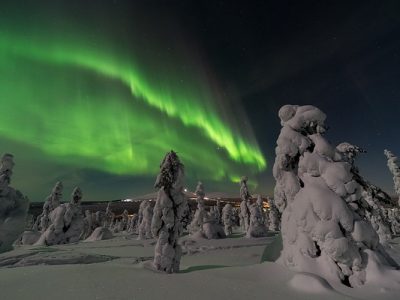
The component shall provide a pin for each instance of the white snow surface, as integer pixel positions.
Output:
(210, 269)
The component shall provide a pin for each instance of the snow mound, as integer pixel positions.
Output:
(99, 234)
(379, 275)
(28, 237)
(310, 283)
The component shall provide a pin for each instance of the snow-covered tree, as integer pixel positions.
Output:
(168, 213)
(257, 227)
(142, 206)
(318, 191)
(260, 204)
(377, 216)
(393, 165)
(133, 223)
(87, 224)
(44, 220)
(187, 216)
(273, 216)
(205, 224)
(217, 209)
(394, 216)
(212, 229)
(236, 213)
(52, 201)
(66, 222)
(200, 193)
(145, 224)
(198, 219)
(228, 218)
(109, 217)
(13, 206)
(244, 205)
(98, 219)
(124, 221)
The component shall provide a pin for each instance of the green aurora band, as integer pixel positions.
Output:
(83, 105)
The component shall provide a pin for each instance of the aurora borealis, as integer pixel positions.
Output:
(94, 103)
(94, 93)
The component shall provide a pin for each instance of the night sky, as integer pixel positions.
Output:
(94, 93)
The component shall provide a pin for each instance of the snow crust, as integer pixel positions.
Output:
(111, 269)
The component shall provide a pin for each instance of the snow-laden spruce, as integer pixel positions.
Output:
(200, 193)
(376, 199)
(325, 230)
(228, 218)
(52, 201)
(394, 220)
(146, 219)
(66, 222)
(109, 217)
(133, 223)
(13, 206)
(217, 209)
(88, 225)
(273, 217)
(393, 165)
(244, 205)
(125, 220)
(142, 206)
(198, 219)
(378, 217)
(212, 229)
(260, 204)
(168, 213)
(257, 227)
(98, 219)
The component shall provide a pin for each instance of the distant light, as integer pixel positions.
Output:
(206, 198)
(127, 200)
(185, 190)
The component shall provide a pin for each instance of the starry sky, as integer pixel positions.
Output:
(94, 93)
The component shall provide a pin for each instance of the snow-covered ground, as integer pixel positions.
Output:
(210, 269)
